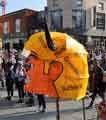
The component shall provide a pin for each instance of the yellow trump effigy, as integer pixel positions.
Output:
(65, 68)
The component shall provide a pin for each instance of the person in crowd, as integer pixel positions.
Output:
(103, 61)
(9, 81)
(20, 77)
(98, 55)
(41, 102)
(2, 77)
(30, 101)
(98, 84)
(40, 97)
(91, 65)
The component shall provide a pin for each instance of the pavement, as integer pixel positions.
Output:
(69, 110)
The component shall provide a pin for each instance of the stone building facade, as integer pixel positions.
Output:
(84, 19)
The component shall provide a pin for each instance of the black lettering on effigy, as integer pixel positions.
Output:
(71, 87)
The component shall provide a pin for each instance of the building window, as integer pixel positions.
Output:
(79, 2)
(101, 6)
(94, 16)
(55, 3)
(18, 25)
(56, 20)
(74, 20)
(78, 18)
(100, 21)
(6, 27)
(105, 43)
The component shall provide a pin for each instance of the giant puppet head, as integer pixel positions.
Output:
(59, 65)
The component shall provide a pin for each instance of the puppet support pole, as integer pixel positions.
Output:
(57, 108)
(83, 105)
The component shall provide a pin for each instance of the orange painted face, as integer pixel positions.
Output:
(62, 73)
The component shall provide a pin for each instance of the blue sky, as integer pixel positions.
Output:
(13, 5)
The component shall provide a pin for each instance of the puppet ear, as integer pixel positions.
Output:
(50, 43)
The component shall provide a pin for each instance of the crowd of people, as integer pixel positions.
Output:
(13, 77)
(97, 73)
